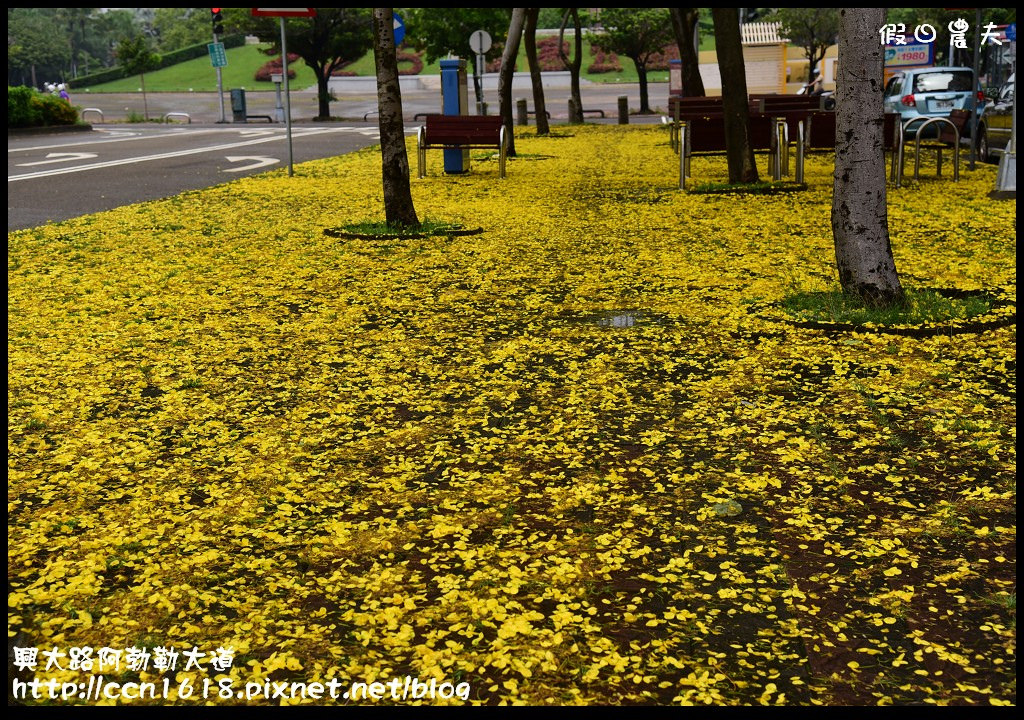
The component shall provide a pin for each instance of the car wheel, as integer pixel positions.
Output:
(982, 146)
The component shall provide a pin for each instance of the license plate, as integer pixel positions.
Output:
(943, 104)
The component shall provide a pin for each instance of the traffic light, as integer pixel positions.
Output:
(217, 18)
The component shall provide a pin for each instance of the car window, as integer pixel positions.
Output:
(893, 88)
(1006, 94)
(953, 81)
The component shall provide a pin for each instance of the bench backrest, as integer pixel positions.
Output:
(463, 129)
(707, 134)
(821, 130)
(959, 118)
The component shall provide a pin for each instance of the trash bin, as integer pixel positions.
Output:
(238, 105)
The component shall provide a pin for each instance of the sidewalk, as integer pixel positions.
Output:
(357, 100)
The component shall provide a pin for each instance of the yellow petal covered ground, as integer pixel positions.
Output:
(565, 461)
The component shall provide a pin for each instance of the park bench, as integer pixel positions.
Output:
(817, 133)
(461, 132)
(706, 135)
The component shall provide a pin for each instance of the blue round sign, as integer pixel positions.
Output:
(399, 29)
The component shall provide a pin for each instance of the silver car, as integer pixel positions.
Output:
(933, 92)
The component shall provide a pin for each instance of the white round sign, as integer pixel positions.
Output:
(480, 42)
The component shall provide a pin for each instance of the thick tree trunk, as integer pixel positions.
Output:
(860, 223)
(573, 66)
(641, 75)
(729, 48)
(684, 25)
(508, 66)
(398, 205)
(323, 94)
(530, 34)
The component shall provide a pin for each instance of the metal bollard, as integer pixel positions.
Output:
(623, 110)
(522, 117)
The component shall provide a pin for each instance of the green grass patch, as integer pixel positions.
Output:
(379, 229)
(922, 306)
(758, 188)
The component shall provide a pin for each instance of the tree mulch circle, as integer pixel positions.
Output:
(1002, 313)
(447, 231)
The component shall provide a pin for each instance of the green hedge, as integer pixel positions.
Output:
(28, 108)
(166, 60)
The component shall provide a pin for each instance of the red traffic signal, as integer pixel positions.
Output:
(217, 19)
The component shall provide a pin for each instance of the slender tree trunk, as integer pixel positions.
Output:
(508, 66)
(729, 48)
(398, 205)
(145, 105)
(323, 94)
(576, 114)
(641, 76)
(860, 221)
(684, 25)
(530, 37)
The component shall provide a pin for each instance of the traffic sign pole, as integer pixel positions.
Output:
(282, 13)
(287, 98)
(479, 43)
(220, 88)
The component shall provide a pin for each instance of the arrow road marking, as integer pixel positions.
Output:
(261, 161)
(60, 157)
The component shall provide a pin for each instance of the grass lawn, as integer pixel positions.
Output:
(243, 62)
(567, 460)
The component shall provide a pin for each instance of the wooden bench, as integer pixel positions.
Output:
(817, 132)
(461, 132)
(706, 135)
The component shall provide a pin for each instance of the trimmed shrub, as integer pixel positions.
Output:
(28, 108)
(275, 66)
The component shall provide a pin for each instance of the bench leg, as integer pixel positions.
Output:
(501, 153)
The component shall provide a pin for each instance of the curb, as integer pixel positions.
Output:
(49, 129)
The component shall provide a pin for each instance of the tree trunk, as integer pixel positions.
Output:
(145, 105)
(860, 223)
(684, 25)
(576, 114)
(641, 76)
(530, 34)
(398, 206)
(508, 66)
(323, 93)
(729, 49)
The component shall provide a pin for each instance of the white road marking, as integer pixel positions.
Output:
(164, 156)
(261, 161)
(59, 157)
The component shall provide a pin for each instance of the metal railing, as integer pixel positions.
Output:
(95, 110)
(169, 115)
(901, 149)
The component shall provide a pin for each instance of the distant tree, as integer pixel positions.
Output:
(685, 27)
(398, 206)
(573, 65)
(729, 48)
(175, 28)
(860, 221)
(530, 36)
(135, 57)
(440, 32)
(327, 41)
(508, 66)
(812, 28)
(35, 47)
(637, 33)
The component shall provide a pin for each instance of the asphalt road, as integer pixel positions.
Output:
(57, 176)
